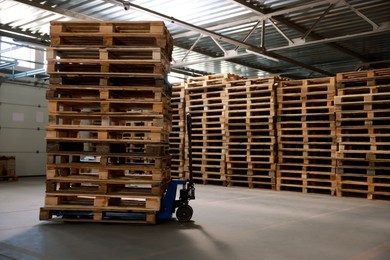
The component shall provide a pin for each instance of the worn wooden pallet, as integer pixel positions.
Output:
(111, 34)
(104, 164)
(107, 133)
(124, 171)
(214, 76)
(8, 168)
(82, 214)
(107, 67)
(364, 90)
(312, 89)
(119, 121)
(361, 120)
(363, 76)
(102, 201)
(253, 83)
(363, 186)
(305, 180)
(99, 120)
(112, 107)
(72, 54)
(108, 27)
(361, 167)
(97, 147)
(372, 156)
(105, 93)
(95, 81)
(366, 101)
(305, 97)
(216, 79)
(77, 186)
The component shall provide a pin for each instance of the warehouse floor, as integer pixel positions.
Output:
(228, 223)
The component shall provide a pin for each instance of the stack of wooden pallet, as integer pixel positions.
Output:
(206, 102)
(250, 131)
(109, 120)
(7, 168)
(306, 136)
(363, 133)
(177, 136)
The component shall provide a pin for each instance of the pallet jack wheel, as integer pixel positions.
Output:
(184, 213)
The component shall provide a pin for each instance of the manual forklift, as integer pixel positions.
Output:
(169, 203)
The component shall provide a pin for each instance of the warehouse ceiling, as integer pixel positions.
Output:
(252, 38)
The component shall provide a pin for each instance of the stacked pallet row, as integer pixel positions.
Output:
(206, 102)
(109, 121)
(306, 136)
(363, 133)
(177, 136)
(250, 133)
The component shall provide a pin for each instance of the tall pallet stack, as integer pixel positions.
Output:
(306, 136)
(250, 133)
(109, 121)
(206, 101)
(177, 136)
(363, 133)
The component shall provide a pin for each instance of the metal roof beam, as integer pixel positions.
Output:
(250, 33)
(55, 9)
(280, 31)
(221, 37)
(227, 57)
(356, 11)
(262, 13)
(381, 29)
(192, 47)
(317, 21)
(278, 16)
(28, 36)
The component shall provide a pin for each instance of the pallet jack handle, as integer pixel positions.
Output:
(189, 134)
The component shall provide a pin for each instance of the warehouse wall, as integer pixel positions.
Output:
(23, 118)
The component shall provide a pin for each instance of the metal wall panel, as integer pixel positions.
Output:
(23, 118)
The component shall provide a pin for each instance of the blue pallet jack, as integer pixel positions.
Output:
(169, 204)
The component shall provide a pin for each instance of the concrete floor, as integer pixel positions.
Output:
(228, 223)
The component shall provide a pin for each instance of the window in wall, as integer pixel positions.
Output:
(24, 55)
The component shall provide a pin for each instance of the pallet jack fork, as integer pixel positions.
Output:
(169, 204)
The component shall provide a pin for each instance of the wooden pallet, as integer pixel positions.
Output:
(369, 77)
(86, 54)
(67, 214)
(306, 179)
(363, 186)
(111, 34)
(126, 134)
(105, 93)
(109, 67)
(112, 107)
(96, 147)
(303, 97)
(8, 168)
(136, 188)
